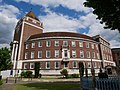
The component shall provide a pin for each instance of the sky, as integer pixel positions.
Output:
(57, 16)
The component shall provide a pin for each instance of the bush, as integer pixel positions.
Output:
(64, 72)
(75, 75)
(22, 74)
(27, 74)
(102, 74)
(1, 82)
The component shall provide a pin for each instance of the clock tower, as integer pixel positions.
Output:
(27, 26)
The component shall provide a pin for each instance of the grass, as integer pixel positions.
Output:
(45, 86)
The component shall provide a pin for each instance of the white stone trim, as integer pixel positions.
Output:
(60, 59)
(33, 25)
(19, 64)
(13, 50)
(32, 19)
(15, 58)
(76, 39)
(109, 61)
(20, 44)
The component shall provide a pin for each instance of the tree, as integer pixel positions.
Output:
(108, 12)
(64, 72)
(5, 59)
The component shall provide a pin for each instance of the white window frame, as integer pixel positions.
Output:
(40, 44)
(47, 54)
(48, 43)
(89, 65)
(56, 53)
(95, 65)
(56, 62)
(40, 65)
(73, 53)
(65, 66)
(93, 55)
(26, 46)
(65, 43)
(48, 62)
(39, 54)
(25, 65)
(31, 65)
(56, 43)
(92, 45)
(80, 43)
(33, 45)
(74, 63)
(66, 51)
(26, 55)
(88, 54)
(32, 55)
(87, 44)
(73, 43)
(81, 53)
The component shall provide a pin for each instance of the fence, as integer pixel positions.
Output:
(108, 84)
(101, 84)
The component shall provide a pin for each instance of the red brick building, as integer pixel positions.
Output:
(56, 50)
(116, 55)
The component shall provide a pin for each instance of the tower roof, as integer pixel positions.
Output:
(32, 15)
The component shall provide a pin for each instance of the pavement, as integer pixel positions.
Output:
(7, 86)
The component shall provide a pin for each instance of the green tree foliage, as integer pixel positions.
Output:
(64, 72)
(5, 59)
(108, 12)
(27, 74)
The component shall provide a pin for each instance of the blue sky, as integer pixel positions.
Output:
(56, 15)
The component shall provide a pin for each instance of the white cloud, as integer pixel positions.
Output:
(57, 22)
(76, 5)
(96, 28)
(7, 23)
(54, 22)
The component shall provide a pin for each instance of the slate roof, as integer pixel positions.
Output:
(32, 15)
(60, 34)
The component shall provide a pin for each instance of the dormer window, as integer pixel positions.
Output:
(56, 43)
(73, 44)
(87, 44)
(65, 43)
